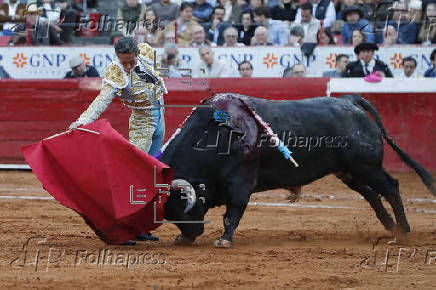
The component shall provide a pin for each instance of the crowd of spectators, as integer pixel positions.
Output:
(288, 22)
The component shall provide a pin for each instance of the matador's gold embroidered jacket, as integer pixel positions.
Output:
(142, 97)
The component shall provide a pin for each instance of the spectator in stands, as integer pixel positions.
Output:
(261, 36)
(152, 32)
(390, 35)
(50, 15)
(357, 37)
(283, 11)
(201, 11)
(245, 69)
(80, 70)
(427, 33)
(298, 70)
(424, 4)
(131, 13)
(41, 32)
(353, 21)
(165, 10)
(171, 60)
(246, 28)
(378, 11)
(169, 36)
(184, 24)
(366, 64)
(407, 31)
(199, 37)
(277, 33)
(409, 68)
(341, 62)
(215, 30)
(233, 11)
(310, 24)
(3, 73)
(346, 4)
(231, 37)
(431, 72)
(322, 10)
(210, 67)
(272, 3)
(50, 11)
(10, 14)
(326, 37)
(69, 20)
(253, 4)
(296, 36)
(415, 12)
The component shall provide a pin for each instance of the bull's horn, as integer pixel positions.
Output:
(187, 188)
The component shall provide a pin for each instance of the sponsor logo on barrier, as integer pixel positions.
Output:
(270, 60)
(52, 62)
(331, 60)
(85, 58)
(397, 61)
(20, 60)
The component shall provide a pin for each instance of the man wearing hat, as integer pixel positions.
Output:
(353, 17)
(365, 63)
(41, 32)
(79, 69)
(133, 79)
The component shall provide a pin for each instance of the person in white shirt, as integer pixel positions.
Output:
(210, 66)
(329, 13)
(310, 24)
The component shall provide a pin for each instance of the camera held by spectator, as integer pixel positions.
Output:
(170, 59)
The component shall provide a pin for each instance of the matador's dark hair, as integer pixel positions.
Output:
(126, 45)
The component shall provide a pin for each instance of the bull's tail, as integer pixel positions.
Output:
(426, 177)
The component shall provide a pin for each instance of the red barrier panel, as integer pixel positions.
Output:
(34, 109)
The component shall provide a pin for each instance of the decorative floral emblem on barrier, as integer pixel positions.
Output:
(20, 60)
(270, 60)
(331, 60)
(397, 61)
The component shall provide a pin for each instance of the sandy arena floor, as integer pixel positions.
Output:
(325, 241)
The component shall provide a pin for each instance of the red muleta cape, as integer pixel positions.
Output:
(104, 178)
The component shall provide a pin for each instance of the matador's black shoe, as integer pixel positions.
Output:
(128, 243)
(146, 237)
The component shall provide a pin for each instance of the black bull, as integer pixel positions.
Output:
(224, 163)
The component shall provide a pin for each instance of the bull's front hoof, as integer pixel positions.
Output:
(294, 194)
(221, 243)
(400, 233)
(182, 240)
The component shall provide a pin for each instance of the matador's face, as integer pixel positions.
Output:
(128, 61)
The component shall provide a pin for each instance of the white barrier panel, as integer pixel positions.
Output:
(387, 85)
(52, 62)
